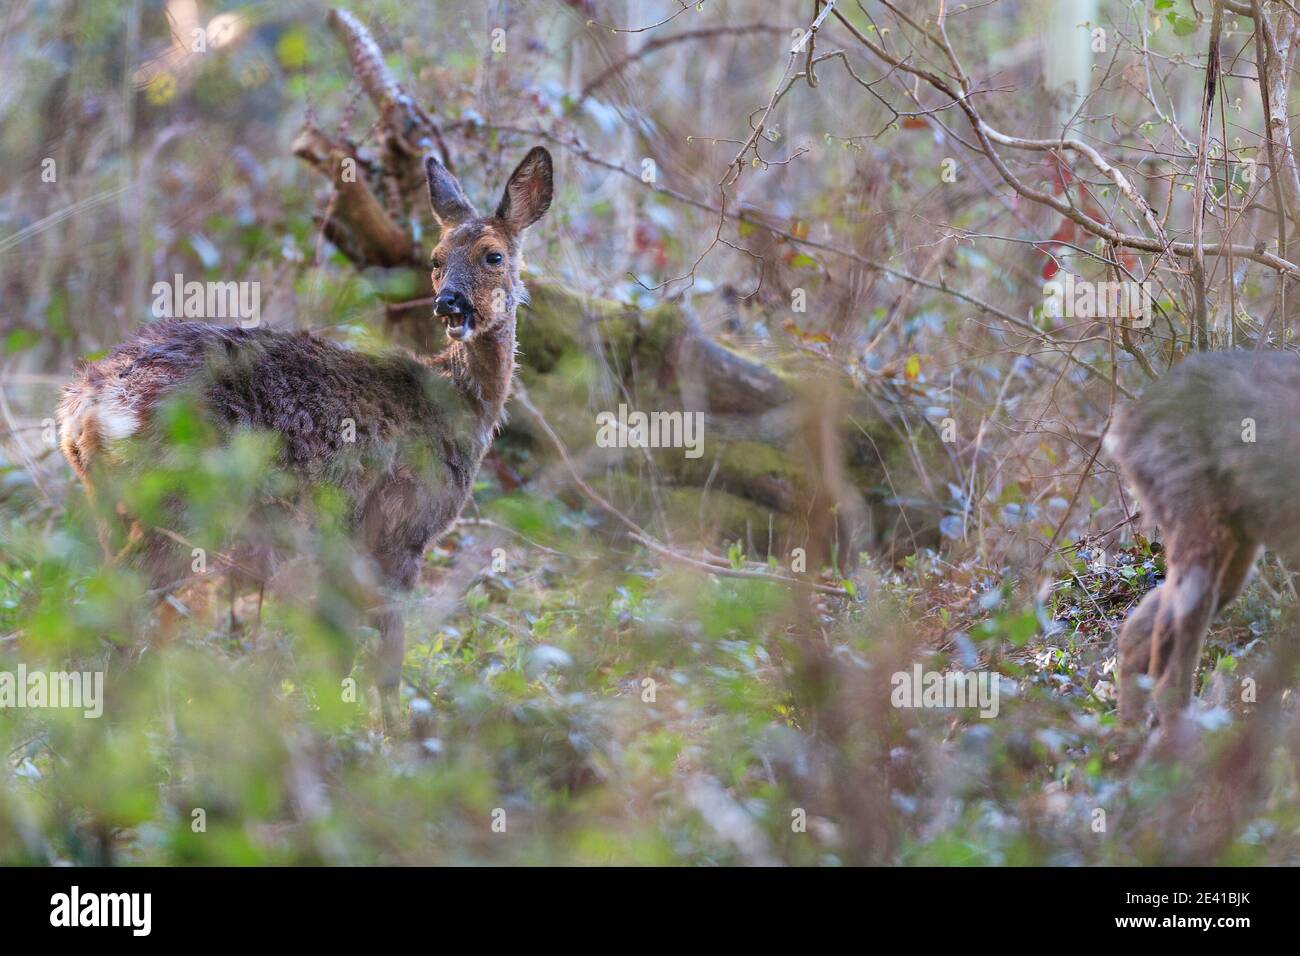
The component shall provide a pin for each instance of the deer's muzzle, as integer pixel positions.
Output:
(454, 309)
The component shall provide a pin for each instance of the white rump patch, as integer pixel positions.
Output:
(107, 413)
(116, 417)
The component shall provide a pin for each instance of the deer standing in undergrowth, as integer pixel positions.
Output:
(1212, 449)
(420, 425)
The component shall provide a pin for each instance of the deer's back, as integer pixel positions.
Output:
(1218, 438)
(350, 418)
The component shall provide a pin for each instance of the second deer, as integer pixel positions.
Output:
(422, 424)
(1212, 449)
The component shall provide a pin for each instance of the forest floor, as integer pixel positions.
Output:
(568, 698)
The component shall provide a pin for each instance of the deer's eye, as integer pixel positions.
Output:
(437, 265)
(494, 258)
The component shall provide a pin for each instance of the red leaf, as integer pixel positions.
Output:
(1064, 232)
(1061, 178)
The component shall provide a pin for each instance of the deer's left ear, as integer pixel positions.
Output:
(528, 193)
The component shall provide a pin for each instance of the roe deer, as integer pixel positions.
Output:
(1212, 449)
(422, 424)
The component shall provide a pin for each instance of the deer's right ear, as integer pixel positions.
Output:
(445, 195)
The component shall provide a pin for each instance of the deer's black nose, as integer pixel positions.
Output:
(450, 303)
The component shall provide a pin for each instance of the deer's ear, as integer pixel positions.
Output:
(445, 195)
(528, 193)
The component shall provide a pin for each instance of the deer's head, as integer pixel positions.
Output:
(476, 262)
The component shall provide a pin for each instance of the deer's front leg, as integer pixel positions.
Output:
(399, 569)
(387, 662)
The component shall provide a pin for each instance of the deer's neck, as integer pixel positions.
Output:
(481, 370)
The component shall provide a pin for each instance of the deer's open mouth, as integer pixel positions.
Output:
(459, 324)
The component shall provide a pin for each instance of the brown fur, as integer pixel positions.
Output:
(1217, 497)
(422, 423)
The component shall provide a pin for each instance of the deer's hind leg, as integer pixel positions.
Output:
(1135, 656)
(1207, 568)
(1162, 638)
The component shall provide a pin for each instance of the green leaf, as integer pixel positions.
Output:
(19, 340)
